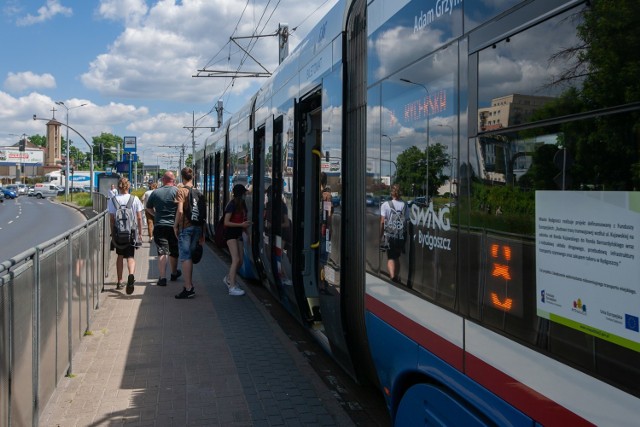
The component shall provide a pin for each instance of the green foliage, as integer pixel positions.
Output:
(501, 207)
(78, 199)
(412, 169)
(139, 192)
(38, 140)
(605, 151)
(612, 52)
(110, 144)
(541, 174)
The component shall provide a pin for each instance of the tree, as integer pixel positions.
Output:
(412, 169)
(605, 74)
(109, 143)
(38, 140)
(79, 159)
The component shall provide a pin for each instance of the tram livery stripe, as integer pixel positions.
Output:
(542, 409)
(519, 395)
(439, 346)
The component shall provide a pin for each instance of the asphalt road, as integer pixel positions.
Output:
(27, 221)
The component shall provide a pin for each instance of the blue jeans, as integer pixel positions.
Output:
(187, 241)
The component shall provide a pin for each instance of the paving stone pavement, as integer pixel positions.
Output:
(214, 360)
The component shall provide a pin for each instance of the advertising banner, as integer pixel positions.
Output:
(588, 262)
(13, 156)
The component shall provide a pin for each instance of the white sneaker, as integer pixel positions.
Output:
(226, 281)
(236, 291)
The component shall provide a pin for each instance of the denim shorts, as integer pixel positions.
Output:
(187, 241)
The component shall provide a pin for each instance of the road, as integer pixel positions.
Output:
(27, 221)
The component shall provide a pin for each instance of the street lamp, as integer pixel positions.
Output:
(390, 156)
(428, 119)
(452, 158)
(143, 161)
(66, 181)
(22, 143)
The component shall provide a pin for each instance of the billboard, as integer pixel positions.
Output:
(10, 156)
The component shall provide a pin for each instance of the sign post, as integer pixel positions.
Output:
(129, 147)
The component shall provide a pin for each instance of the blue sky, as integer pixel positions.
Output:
(131, 62)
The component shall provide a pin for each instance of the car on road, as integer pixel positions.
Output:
(13, 187)
(372, 200)
(45, 190)
(9, 193)
(420, 201)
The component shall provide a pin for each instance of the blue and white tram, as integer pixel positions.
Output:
(511, 129)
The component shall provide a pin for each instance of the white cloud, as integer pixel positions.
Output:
(45, 13)
(129, 11)
(18, 82)
(152, 60)
(160, 51)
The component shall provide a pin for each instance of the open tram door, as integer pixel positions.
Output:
(306, 218)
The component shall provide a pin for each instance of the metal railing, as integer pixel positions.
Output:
(48, 296)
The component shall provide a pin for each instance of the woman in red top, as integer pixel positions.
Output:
(235, 223)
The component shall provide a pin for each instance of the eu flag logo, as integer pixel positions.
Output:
(631, 322)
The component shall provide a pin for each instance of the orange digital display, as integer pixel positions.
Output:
(503, 286)
(426, 107)
(420, 109)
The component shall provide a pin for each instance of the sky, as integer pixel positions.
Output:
(133, 62)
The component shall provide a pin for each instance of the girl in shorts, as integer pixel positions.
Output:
(235, 223)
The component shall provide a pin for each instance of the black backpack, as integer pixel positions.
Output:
(197, 212)
(125, 231)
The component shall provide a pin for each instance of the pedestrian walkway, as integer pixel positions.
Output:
(214, 360)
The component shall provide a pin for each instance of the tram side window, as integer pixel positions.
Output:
(479, 11)
(560, 196)
(411, 150)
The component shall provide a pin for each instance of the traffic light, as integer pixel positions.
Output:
(63, 171)
(21, 144)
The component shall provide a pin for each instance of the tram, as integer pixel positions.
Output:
(512, 130)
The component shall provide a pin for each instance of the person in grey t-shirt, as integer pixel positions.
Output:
(162, 206)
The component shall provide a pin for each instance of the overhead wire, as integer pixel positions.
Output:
(293, 29)
(251, 44)
(232, 34)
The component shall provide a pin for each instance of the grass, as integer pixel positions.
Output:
(84, 199)
(80, 199)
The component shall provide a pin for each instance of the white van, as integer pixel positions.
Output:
(45, 190)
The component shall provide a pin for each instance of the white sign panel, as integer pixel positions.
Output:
(588, 262)
(12, 156)
(129, 144)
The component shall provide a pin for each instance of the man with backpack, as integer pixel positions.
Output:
(393, 231)
(189, 227)
(126, 231)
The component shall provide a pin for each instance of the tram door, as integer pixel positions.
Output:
(262, 179)
(308, 207)
(214, 178)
